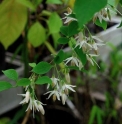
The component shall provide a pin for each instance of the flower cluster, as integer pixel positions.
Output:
(33, 104)
(61, 88)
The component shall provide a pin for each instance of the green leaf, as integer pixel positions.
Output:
(42, 68)
(32, 65)
(63, 40)
(70, 30)
(13, 19)
(27, 3)
(11, 73)
(85, 9)
(112, 2)
(43, 80)
(5, 85)
(54, 23)
(103, 24)
(60, 57)
(120, 25)
(4, 120)
(54, 2)
(37, 2)
(81, 55)
(120, 1)
(36, 34)
(23, 82)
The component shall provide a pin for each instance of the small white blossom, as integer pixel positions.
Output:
(35, 105)
(64, 98)
(54, 93)
(101, 15)
(67, 18)
(67, 77)
(74, 61)
(82, 42)
(67, 87)
(96, 42)
(91, 60)
(26, 99)
(54, 82)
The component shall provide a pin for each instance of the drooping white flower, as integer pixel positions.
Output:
(67, 77)
(35, 105)
(91, 60)
(64, 98)
(74, 61)
(54, 82)
(101, 15)
(67, 18)
(26, 99)
(67, 87)
(82, 42)
(55, 93)
(96, 42)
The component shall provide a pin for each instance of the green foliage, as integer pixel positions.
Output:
(103, 24)
(32, 65)
(42, 68)
(5, 85)
(11, 73)
(120, 25)
(43, 80)
(63, 40)
(96, 112)
(60, 57)
(36, 34)
(28, 4)
(54, 2)
(85, 9)
(70, 30)
(23, 82)
(4, 120)
(13, 19)
(54, 23)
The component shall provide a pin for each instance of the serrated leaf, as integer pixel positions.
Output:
(13, 19)
(5, 85)
(42, 68)
(23, 82)
(11, 73)
(102, 24)
(43, 80)
(85, 9)
(54, 23)
(36, 34)
(54, 2)
(70, 30)
(63, 40)
(59, 57)
(32, 65)
(27, 3)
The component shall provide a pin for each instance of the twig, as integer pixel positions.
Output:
(26, 117)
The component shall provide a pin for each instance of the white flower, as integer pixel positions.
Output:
(82, 42)
(102, 15)
(74, 61)
(67, 87)
(96, 44)
(67, 77)
(26, 99)
(64, 98)
(68, 19)
(54, 82)
(53, 93)
(35, 105)
(91, 60)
